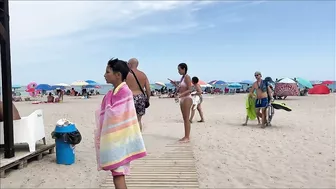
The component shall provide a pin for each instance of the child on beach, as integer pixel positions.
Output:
(118, 139)
(197, 100)
(251, 113)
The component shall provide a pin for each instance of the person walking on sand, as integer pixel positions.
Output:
(197, 100)
(137, 81)
(184, 96)
(263, 91)
(118, 139)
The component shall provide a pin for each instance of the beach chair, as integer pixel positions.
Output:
(28, 129)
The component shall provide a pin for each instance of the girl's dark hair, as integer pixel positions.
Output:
(195, 79)
(183, 66)
(119, 66)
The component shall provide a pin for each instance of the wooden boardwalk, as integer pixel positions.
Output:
(23, 156)
(174, 169)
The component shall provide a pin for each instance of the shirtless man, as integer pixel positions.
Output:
(138, 96)
(261, 88)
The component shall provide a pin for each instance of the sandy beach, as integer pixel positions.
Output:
(298, 151)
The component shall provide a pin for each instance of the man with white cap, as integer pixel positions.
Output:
(263, 90)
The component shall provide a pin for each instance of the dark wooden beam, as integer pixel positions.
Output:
(6, 73)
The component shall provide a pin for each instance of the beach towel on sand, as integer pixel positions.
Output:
(250, 108)
(118, 139)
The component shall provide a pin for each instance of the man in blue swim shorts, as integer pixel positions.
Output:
(262, 90)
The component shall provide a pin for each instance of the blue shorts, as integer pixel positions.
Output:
(261, 103)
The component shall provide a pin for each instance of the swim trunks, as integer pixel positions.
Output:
(261, 103)
(140, 103)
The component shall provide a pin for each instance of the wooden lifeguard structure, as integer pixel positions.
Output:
(21, 159)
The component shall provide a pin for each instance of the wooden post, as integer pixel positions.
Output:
(6, 80)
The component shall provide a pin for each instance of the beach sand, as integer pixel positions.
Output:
(298, 151)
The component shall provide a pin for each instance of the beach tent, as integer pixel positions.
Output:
(286, 87)
(286, 80)
(319, 89)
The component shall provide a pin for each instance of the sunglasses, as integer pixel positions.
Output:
(256, 75)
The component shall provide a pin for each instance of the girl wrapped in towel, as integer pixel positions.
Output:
(118, 138)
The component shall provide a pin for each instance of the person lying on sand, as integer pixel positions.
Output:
(16, 115)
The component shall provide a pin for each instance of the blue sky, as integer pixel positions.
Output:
(55, 41)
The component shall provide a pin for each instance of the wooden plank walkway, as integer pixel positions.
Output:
(174, 169)
(23, 156)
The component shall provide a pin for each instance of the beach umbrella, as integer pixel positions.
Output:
(217, 82)
(246, 82)
(235, 85)
(304, 82)
(91, 82)
(43, 87)
(203, 84)
(16, 86)
(160, 84)
(327, 82)
(55, 87)
(79, 83)
(210, 82)
(62, 85)
(206, 85)
(200, 82)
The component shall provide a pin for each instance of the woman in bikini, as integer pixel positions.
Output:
(184, 95)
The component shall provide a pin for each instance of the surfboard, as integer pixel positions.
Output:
(281, 106)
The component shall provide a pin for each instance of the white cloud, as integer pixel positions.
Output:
(31, 20)
(55, 32)
(37, 25)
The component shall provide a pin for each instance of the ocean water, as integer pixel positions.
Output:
(106, 87)
(102, 90)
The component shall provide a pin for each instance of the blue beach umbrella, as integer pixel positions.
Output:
(246, 82)
(44, 87)
(92, 84)
(217, 82)
(235, 85)
(304, 82)
(16, 86)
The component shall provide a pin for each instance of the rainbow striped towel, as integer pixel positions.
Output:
(118, 137)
